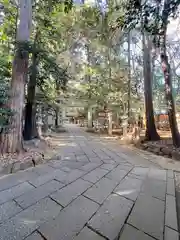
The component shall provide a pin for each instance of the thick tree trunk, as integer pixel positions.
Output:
(45, 122)
(57, 117)
(151, 133)
(168, 90)
(29, 114)
(28, 121)
(11, 141)
(37, 122)
(129, 75)
(34, 132)
(110, 123)
(28, 127)
(124, 127)
(90, 123)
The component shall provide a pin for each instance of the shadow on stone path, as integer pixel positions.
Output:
(94, 189)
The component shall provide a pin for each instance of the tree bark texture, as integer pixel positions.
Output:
(168, 85)
(110, 123)
(170, 100)
(151, 133)
(57, 117)
(129, 75)
(30, 104)
(90, 123)
(167, 75)
(11, 141)
(45, 120)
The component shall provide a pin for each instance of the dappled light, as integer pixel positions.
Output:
(108, 71)
(90, 90)
(125, 192)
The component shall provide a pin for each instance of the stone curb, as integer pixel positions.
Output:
(159, 150)
(171, 220)
(18, 166)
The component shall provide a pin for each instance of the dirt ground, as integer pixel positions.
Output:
(45, 148)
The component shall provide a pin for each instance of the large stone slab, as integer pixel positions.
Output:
(170, 174)
(170, 234)
(109, 166)
(43, 169)
(82, 158)
(129, 188)
(111, 217)
(124, 156)
(131, 233)
(90, 154)
(170, 187)
(103, 156)
(27, 221)
(70, 221)
(95, 175)
(34, 236)
(108, 161)
(148, 215)
(73, 164)
(68, 156)
(36, 194)
(157, 174)
(15, 191)
(55, 164)
(47, 177)
(8, 210)
(155, 188)
(69, 193)
(117, 174)
(95, 160)
(70, 177)
(90, 166)
(88, 234)
(101, 190)
(12, 180)
(141, 177)
(171, 213)
(140, 171)
(125, 166)
(119, 160)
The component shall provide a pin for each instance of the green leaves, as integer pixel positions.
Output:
(68, 4)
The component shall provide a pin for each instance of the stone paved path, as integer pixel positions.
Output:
(94, 190)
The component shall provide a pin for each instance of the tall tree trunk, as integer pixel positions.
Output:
(110, 123)
(109, 114)
(170, 100)
(90, 121)
(34, 122)
(57, 109)
(38, 122)
(29, 111)
(151, 133)
(11, 141)
(45, 119)
(168, 78)
(129, 76)
(88, 80)
(57, 117)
